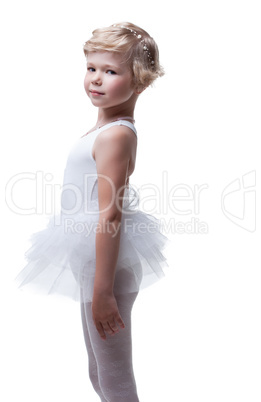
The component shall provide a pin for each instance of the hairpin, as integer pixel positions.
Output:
(145, 48)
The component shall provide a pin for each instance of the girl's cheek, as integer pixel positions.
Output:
(86, 84)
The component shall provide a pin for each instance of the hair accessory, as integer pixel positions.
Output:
(145, 48)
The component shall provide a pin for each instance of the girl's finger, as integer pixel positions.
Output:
(113, 326)
(107, 328)
(120, 321)
(100, 329)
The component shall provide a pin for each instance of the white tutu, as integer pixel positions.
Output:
(61, 259)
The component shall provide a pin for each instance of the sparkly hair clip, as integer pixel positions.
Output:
(145, 48)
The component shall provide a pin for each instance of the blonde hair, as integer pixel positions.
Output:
(132, 41)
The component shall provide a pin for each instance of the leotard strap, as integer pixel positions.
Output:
(112, 123)
(120, 123)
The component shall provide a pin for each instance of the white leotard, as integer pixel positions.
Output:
(63, 256)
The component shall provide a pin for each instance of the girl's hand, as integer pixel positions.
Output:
(106, 315)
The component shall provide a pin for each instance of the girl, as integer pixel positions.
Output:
(101, 249)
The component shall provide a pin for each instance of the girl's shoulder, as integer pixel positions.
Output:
(120, 131)
(117, 135)
(123, 126)
(117, 139)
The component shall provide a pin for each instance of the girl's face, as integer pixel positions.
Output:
(108, 81)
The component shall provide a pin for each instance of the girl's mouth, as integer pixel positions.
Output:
(96, 93)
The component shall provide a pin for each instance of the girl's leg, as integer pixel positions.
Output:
(114, 355)
(93, 374)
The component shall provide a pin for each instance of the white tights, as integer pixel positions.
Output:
(110, 360)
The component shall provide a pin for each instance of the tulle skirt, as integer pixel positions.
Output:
(62, 257)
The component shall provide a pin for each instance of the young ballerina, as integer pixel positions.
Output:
(101, 249)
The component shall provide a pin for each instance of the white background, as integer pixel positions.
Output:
(197, 333)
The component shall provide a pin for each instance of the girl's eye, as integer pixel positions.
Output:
(111, 72)
(90, 69)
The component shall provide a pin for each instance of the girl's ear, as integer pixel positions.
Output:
(138, 91)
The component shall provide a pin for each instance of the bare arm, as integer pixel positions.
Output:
(112, 156)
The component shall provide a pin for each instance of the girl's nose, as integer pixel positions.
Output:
(96, 79)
